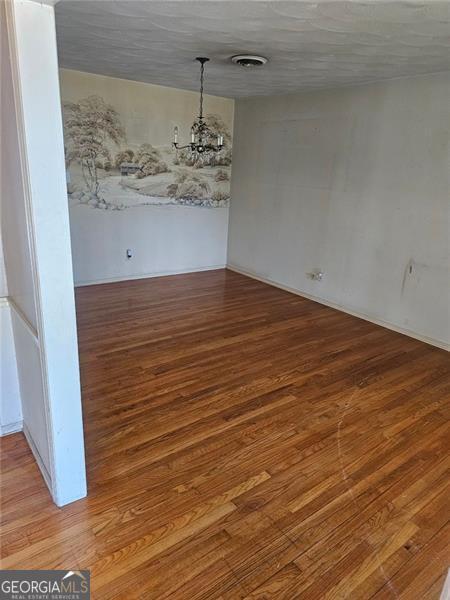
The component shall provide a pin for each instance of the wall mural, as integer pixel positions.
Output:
(107, 170)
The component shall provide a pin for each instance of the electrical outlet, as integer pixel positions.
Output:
(316, 275)
(129, 254)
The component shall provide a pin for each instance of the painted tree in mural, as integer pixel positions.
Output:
(91, 126)
(189, 185)
(123, 156)
(150, 162)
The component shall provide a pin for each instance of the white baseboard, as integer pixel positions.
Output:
(37, 456)
(433, 342)
(148, 275)
(11, 428)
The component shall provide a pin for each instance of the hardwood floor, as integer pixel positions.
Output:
(243, 442)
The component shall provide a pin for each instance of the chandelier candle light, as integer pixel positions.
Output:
(201, 135)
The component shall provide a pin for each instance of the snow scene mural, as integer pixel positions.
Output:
(109, 170)
(137, 206)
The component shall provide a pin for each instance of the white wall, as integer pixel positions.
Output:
(164, 239)
(354, 182)
(14, 236)
(36, 244)
(10, 405)
(3, 284)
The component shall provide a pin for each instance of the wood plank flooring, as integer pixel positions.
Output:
(243, 442)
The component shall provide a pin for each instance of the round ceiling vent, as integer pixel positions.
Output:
(248, 60)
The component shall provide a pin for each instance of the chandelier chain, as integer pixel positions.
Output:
(202, 70)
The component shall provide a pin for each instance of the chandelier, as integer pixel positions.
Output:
(203, 140)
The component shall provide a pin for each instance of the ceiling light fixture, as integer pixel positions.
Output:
(203, 140)
(248, 60)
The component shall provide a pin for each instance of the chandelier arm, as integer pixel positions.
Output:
(175, 145)
(194, 147)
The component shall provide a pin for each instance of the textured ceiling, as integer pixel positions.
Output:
(309, 44)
